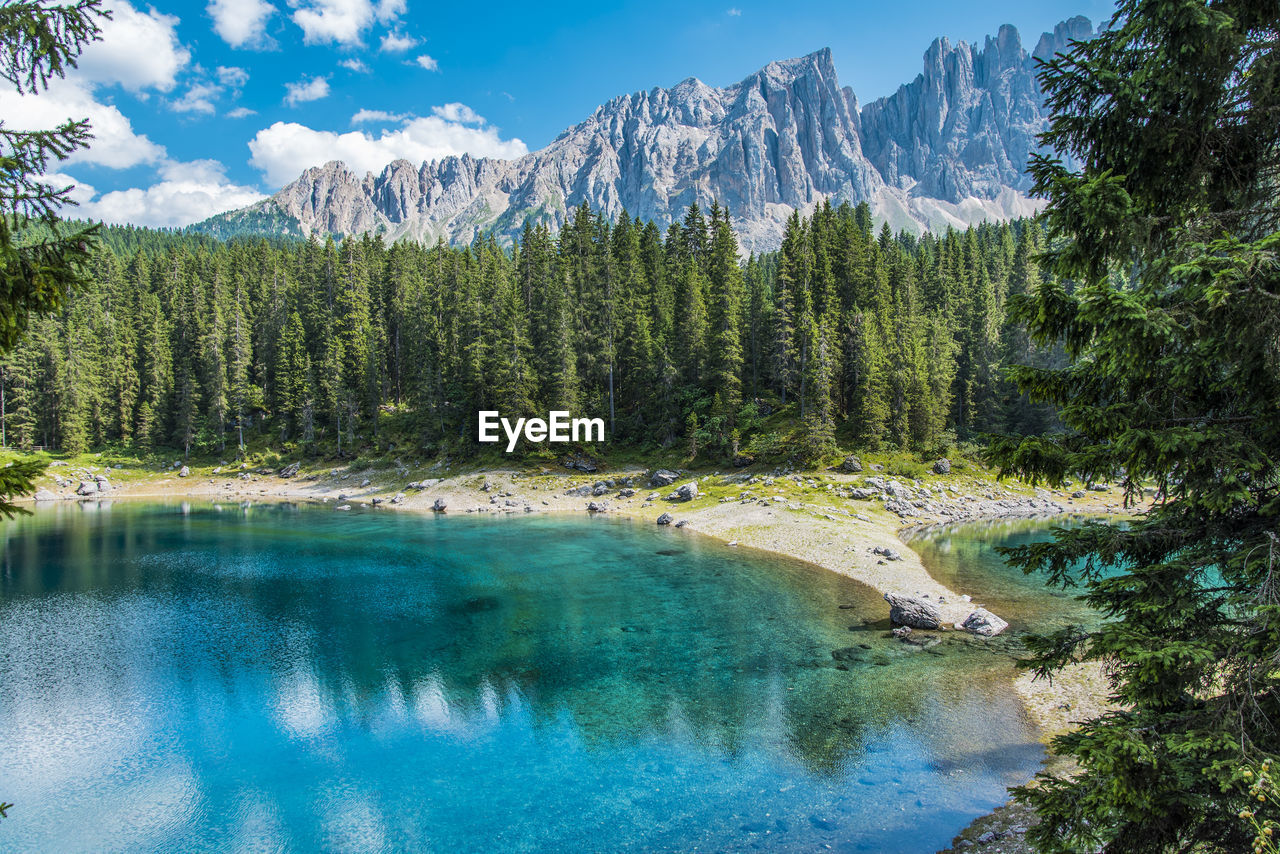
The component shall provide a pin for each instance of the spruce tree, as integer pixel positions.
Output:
(1169, 231)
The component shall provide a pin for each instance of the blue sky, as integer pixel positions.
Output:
(206, 105)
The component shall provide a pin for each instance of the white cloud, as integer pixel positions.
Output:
(187, 193)
(198, 99)
(397, 43)
(242, 23)
(233, 77)
(306, 90)
(427, 63)
(342, 21)
(378, 116)
(285, 149)
(138, 51)
(734, 12)
(115, 143)
(356, 65)
(80, 192)
(389, 10)
(456, 112)
(241, 112)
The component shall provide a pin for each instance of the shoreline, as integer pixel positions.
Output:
(806, 516)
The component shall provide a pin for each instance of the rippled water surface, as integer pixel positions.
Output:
(192, 678)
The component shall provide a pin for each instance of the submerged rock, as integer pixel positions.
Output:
(983, 622)
(913, 612)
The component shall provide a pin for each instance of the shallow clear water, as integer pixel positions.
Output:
(275, 678)
(964, 558)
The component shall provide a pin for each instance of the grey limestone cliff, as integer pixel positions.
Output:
(947, 149)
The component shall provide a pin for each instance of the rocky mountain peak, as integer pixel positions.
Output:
(1078, 28)
(948, 148)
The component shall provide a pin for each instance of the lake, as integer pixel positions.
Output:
(187, 677)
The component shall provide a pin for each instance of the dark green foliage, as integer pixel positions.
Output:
(1169, 232)
(40, 260)
(201, 345)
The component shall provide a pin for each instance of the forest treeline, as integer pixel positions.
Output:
(870, 339)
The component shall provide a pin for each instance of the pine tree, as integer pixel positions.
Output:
(724, 300)
(1169, 231)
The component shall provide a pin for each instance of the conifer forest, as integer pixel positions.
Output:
(871, 339)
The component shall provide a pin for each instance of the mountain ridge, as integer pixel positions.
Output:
(946, 149)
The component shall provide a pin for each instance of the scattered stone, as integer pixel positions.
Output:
(886, 553)
(686, 492)
(743, 460)
(682, 523)
(184, 472)
(398, 499)
(860, 494)
(942, 466)
(983, 622)
(440, 505)
(662, 477)
(580, 464)
(43, 494)
(290, 470)
(87, 487)
(913, 612)
(626, 493)
(1078, 494)
(851, 465)
(597, 507)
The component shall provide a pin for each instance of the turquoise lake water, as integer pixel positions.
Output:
(277, 678)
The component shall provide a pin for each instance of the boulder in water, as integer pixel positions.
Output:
(913, 612)
(440, 505)
(666, 519)
(983, 622)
